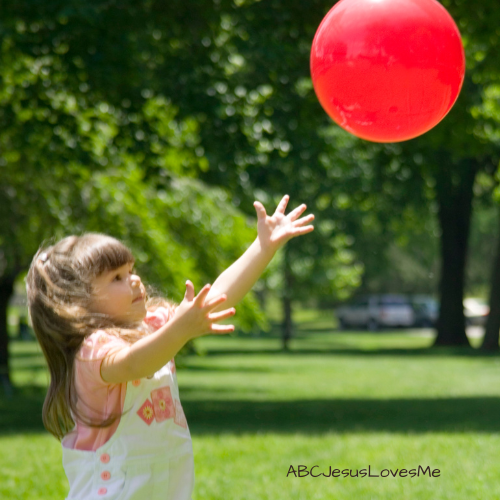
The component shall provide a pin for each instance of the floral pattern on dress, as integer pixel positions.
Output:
(146, 412)
(163, 407)
(163, 403)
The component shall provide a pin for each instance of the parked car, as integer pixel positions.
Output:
(374, 311)
(426, 310)
(475, 311)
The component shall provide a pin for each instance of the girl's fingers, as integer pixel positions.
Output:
(222, 328)
(200, 298)
(216, 301)
(261, 211)
(222, 314)
(296, 212)
(282, 205)
(302, 230)
(189, 295)
(304, 220)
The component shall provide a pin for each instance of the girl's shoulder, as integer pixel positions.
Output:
(97, 345)
(157, 317)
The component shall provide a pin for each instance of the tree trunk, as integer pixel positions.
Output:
(455, 208)
(6, 291)
(490, 339)
(287, 326)
(261, 297)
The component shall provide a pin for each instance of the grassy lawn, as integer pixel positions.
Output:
(348, 400)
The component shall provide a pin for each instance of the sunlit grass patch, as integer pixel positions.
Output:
(339, 400)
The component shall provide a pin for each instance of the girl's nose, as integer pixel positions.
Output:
(135, 280)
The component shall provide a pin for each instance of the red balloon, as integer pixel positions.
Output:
(387, 70)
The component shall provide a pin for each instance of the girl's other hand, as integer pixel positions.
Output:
(275, 231)
(194, 313)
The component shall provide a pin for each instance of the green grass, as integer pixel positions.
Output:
(346, 400)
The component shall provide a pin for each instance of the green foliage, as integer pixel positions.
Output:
(222, 92)
(108, 77)
(72, 162)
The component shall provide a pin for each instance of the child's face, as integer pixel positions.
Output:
(120, 294)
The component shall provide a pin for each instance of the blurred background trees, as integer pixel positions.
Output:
(160, 123)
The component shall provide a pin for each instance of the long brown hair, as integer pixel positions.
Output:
(59, 287)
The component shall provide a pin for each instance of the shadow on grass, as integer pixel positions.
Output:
(28, 355)
(345, 415)
(219, 369)
(23, 414)
(351, 351)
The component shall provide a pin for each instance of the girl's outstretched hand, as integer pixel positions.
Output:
(193, 313)
(275, 231)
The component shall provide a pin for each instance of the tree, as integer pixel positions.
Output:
(264, 102)
(489, 112)
(72, 162)
(241, 70)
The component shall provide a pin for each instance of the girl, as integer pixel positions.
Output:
(113, 398)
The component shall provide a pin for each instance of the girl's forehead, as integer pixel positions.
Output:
(104, 257)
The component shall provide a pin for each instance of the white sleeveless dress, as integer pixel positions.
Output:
(150, 455)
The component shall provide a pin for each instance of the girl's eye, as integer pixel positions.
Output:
(117, 277)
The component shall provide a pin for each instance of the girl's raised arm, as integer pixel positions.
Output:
(273, 232)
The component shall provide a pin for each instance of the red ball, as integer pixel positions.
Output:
(387, 70)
